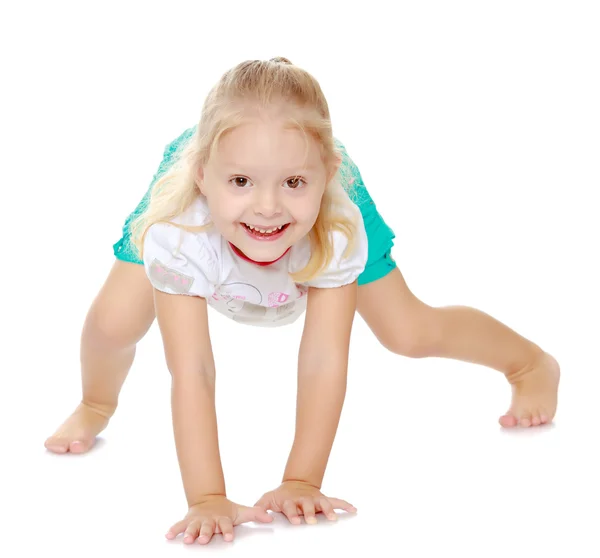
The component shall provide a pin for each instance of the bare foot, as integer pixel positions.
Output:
(78, 433)
(534, 396)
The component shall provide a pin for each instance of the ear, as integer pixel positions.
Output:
(335, 167)
(200, 179)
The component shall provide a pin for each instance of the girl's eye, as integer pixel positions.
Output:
(240, 181)
(294, 183)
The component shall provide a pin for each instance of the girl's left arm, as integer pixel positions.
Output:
(322, 375)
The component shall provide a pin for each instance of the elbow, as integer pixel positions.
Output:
(192, 383)
(183, 373)
(335, 364)
(189, 361)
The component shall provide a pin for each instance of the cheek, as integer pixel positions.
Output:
(306, 215)
(309, 211)
(222, 210)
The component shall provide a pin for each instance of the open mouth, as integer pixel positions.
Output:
(265, 233)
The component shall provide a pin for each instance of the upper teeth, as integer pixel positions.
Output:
(265, 231)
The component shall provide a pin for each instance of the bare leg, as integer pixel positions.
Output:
(407, 326)
(119, 317)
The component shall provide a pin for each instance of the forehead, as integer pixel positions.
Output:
(267, 142)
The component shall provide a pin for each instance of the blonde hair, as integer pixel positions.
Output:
(259, 82)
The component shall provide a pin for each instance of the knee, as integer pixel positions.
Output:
(417, 336)
(106, 328)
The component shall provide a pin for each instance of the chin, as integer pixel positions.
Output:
(265, 255)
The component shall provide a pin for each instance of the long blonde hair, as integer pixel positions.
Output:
(259, 82)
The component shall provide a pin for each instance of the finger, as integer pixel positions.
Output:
(226, 527)
(179, 527)
(264, 503)
(342, 505)
(308, 509)
(191, 533)
(327, 509)
(252, 514)
(259, 514)
(207, 531)
(291, 512)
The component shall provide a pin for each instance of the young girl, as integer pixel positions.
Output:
(259, 212)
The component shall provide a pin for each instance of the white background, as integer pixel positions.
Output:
(476, 129)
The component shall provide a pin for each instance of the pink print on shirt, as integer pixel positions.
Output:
(276, 299)
(163, 277)
(218, 296)
(302, 290)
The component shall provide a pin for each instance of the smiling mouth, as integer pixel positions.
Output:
(265, 232)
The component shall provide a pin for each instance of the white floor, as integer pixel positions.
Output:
(480, 149)
(418, 453)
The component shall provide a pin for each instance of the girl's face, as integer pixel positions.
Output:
(263, 185)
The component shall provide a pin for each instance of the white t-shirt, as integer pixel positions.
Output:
(204, 264)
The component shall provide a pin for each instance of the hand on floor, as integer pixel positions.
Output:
(297, 498)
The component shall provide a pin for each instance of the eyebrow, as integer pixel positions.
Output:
(232, 165)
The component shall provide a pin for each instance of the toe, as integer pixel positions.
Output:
(508, 421)
(525, 421)
(544, 416)
(57, 445)
(80, 446)
(535, 420)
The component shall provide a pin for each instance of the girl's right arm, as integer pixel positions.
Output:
(183, 323)
(177, 269)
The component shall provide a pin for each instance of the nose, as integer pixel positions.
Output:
(266, 202)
